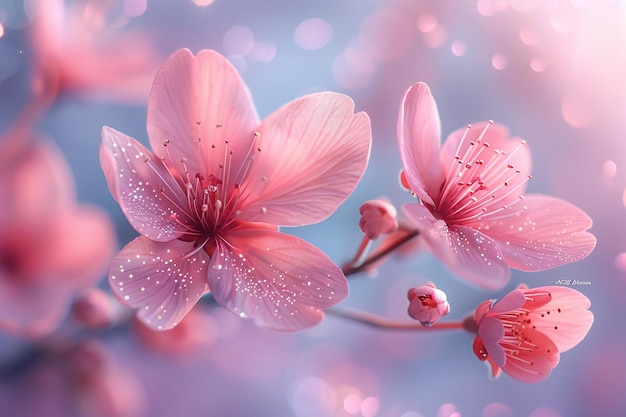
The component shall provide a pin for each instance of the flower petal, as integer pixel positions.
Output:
(546, 233)
(162, 280)
(491, 331)
(139, 182)
(565, 319)
(31, 309)
(280, 281)
(512, 301)
(203, 108)
(468, 253)
(314, 151)
(419, 135)
(532, 365)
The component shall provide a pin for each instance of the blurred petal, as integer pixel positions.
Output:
(419, 135)
(278, 280)
(550, 232)
(163, 280)
(202, 107)
(465, 251)
(138, 181)
(314, 151)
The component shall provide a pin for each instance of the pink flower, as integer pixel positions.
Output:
(473, 213)
(211, 197)
(51, 248)
(427, 304)
(77, 49)
(524, 333)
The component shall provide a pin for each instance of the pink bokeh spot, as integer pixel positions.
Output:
(472, 212)
(208, 200)
(313, 34)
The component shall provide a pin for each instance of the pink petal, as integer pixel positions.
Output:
(163, 280)
(31, 309)
(140, 181)
(278, 280)
(565, 319)
(314, 151)
(38, 173)
(468, 253)
(419, 135)
(533, 365)
(491, 331)
(202, 106)
(512, 301)
(485, 160)
(77, 259)
(550, 232)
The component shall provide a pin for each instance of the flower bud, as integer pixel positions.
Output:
(427, 304)
(378, 217)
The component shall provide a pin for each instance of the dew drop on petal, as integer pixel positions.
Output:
(1, 30)
(202, 3)
(624, 198)
(499, 61)
(313, 34)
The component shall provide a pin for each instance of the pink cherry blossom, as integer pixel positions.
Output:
(473, 213)
(77, 49)
(427, 304)
(210, 198)
(524, 333)
(51, 248)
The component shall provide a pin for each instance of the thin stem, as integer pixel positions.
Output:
(352, 269)
(380, 322)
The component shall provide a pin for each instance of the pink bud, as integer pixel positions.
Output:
(427, 304)
(378, 217)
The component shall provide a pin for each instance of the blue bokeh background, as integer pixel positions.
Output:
(579, 48)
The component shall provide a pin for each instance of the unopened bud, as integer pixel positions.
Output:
(378, 217)
(427, 304)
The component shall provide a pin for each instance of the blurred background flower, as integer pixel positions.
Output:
(551, 70)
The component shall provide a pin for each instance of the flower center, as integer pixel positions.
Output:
(481, 181)
(210, 207)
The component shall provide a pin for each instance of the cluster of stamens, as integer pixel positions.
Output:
(474, 182)
(210, 202)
